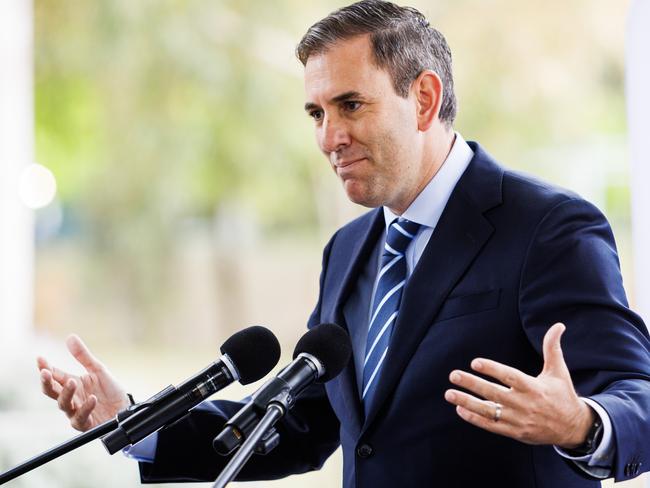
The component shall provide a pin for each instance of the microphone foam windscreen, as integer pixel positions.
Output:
(254, 351)
(330, 344)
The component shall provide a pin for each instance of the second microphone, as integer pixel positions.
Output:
(320, 355)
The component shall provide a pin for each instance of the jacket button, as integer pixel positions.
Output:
(364, 451)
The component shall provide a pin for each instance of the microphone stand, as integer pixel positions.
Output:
(278, 406)
(74, 443)
(58, 451)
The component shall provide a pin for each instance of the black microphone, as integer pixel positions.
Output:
(320, 355)
(248, 355)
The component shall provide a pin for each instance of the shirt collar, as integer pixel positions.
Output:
(429, 204)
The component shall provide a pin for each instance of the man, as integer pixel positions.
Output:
(462, 263)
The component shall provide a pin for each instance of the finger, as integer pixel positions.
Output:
(65, 398)
(486, 409)
(80, 420)
(58, 374)
(507, 375)
(483, 388)
(50, 387)
(500, 427)
(553, 357)
(42, 363)
(82, 354)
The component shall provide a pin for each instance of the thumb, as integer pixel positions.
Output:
(81, 353)
(553, 357)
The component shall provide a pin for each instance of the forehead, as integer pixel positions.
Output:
(346, 66)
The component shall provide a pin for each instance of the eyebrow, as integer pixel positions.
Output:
(343, 97)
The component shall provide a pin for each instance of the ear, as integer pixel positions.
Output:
(427, 89)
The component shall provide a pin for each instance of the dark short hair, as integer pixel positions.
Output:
(403, 43)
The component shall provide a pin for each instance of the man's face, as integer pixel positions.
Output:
(368, 132)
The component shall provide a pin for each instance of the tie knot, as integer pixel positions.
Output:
(400, 234)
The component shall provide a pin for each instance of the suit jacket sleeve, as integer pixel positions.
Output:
(309, 434)
(572, 275)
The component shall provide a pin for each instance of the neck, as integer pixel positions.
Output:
(436, 149)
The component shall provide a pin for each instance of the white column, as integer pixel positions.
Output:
(638, 114)
(16, 151)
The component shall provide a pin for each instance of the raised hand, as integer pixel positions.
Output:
(88, 400)
(536, 410)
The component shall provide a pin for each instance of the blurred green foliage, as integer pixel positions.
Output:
(176, 106)
(156, 115)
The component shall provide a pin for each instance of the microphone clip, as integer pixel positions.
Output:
(275, 391)
(127, 421)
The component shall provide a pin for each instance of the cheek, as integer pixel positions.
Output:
(402, 140)
(391, 150)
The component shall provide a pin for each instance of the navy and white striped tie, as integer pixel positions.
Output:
(391, 281)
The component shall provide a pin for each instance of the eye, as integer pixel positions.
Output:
(317, 115)
(351, 105)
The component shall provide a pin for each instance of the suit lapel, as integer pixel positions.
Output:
(360, 251)
(459, 236)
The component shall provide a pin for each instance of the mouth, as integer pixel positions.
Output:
(345, 164)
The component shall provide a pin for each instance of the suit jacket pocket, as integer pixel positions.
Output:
(467, 304)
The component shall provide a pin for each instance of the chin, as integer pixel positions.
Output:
(359, 193)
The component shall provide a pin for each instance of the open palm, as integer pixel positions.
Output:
(87, 400)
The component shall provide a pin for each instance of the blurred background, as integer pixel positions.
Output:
(162, 187)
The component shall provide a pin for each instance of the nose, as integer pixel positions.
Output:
(334, 134)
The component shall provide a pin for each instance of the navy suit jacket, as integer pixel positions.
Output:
(509, 257)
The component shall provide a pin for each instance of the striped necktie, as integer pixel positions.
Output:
(385, 306)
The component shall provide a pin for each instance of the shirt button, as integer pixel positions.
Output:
(364, 451)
